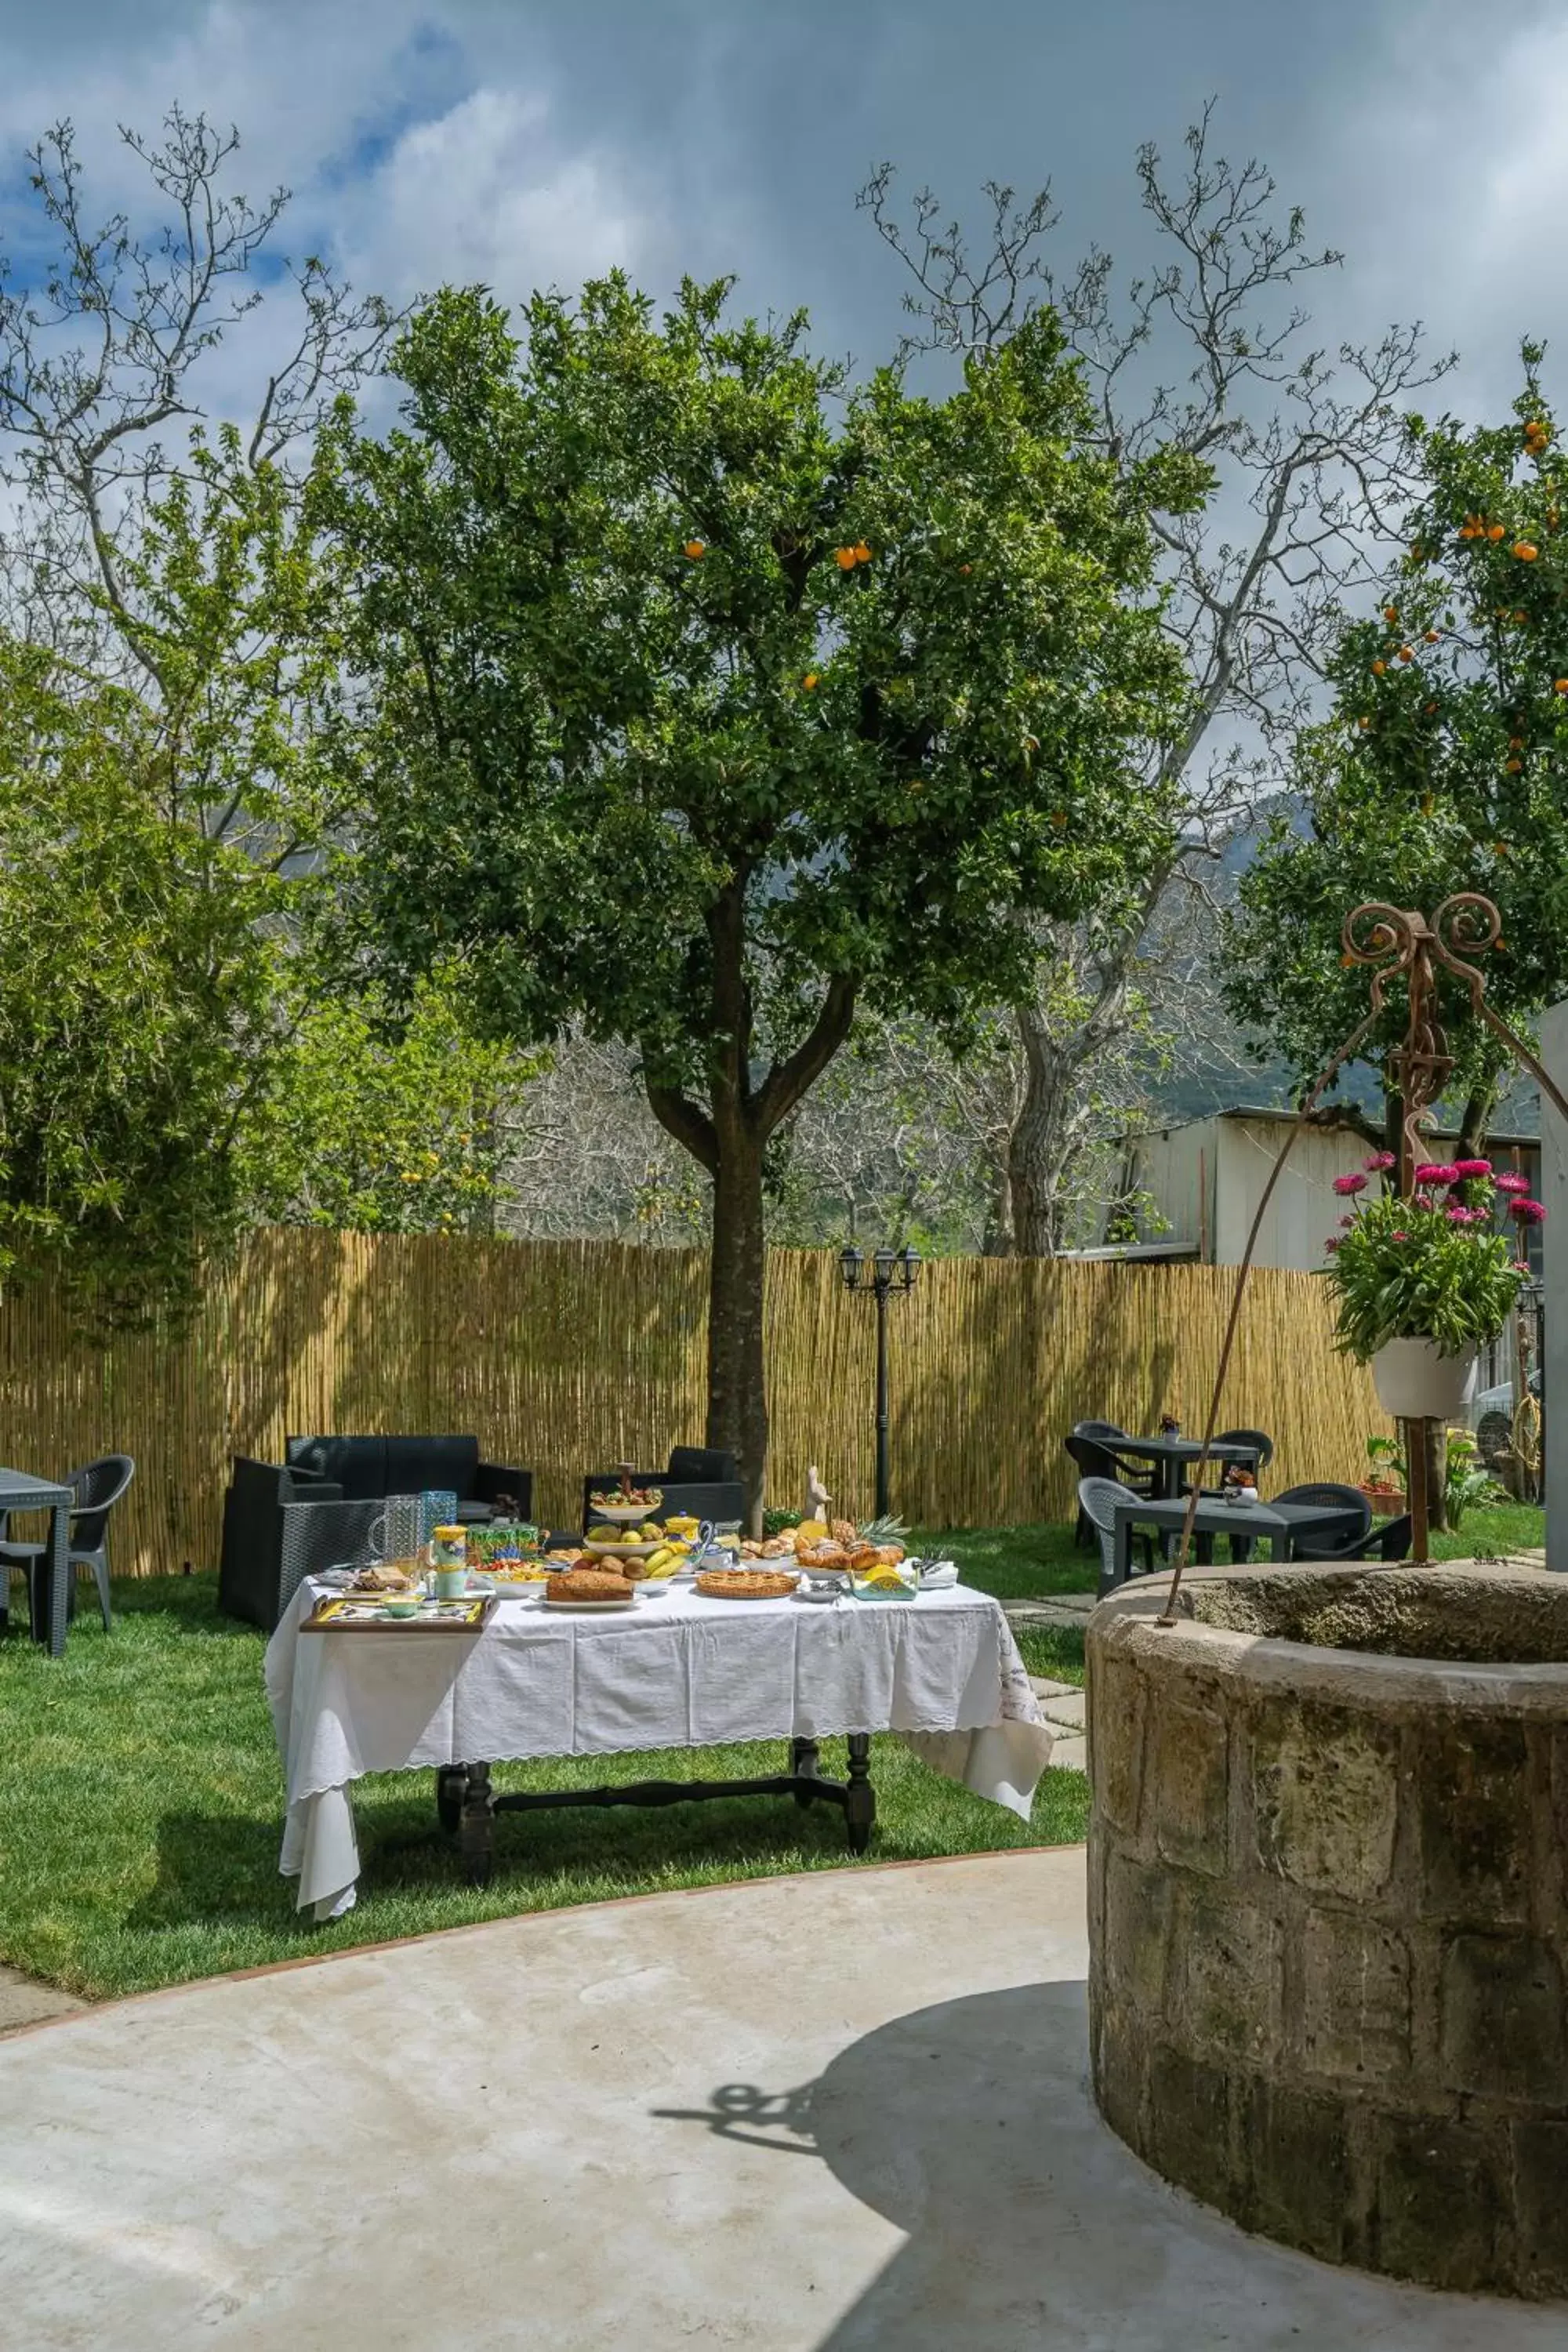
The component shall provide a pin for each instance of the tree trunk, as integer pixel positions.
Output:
(1039, 1147)
(737, 1389)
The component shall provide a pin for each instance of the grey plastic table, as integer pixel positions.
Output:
(1283, 1525)
(1172, 1455)
(18, 1492)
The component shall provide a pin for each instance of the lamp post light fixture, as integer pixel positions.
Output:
(888, 1271)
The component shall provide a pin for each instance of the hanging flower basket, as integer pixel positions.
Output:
(1415, 1382)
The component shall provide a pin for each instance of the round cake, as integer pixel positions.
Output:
(586, 1584)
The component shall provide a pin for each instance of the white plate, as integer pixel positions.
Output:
(632, 1514)
(546, 1602)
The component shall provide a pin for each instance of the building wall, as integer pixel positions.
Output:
(1303, 1211)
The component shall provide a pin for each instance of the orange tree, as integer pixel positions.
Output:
(717, 700)
(1444, 764)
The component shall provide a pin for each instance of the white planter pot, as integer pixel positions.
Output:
(1413, 1383)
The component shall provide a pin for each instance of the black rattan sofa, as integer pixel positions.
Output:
(282, 1522)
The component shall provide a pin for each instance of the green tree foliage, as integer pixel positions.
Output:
(719, 700)
(138, 969)
(371, 1128)
(1444, 764)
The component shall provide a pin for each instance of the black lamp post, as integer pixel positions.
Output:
(890, 1270)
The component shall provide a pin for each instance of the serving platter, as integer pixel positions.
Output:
(580, 1608)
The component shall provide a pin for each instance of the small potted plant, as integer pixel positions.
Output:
(1384, 1484)
(1421, 1284)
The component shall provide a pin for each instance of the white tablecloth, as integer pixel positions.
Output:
(680, 1671)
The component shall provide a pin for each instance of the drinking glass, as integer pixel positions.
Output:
(437, 1508)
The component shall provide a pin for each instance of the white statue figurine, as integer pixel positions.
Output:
(817, 1497)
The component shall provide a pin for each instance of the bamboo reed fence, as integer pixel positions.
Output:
(570, 1356)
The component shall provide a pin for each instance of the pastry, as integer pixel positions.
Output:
(746, 1583)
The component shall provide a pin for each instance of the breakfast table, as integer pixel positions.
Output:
(677, 1669)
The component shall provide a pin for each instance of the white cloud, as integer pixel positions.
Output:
(484, 193)
(1450, 176)
(407, 168)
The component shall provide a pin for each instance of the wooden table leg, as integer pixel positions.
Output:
(451, 1780)
(804, 1762)
(476, 1828)
(860, 1799)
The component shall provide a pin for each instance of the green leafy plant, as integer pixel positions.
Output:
(1385, 1462)
(1468, 1484)
(1434, 1266)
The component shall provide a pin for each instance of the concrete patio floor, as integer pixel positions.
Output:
(810, 2114)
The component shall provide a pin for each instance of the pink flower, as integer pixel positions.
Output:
(1521, 1265)
(1378, 1162)
(1348, 1218)
(1347, 1185)
(1400, 1237)
(1528, 1212)
(1436, 1171)
(1331, 1244)
(1512, 1184)
(1457, 1216)
(1466, 1169)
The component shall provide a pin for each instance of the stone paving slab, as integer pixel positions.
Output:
(25, 2001)
(840, 2112)
(1060, 1609)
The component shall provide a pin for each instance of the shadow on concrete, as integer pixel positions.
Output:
(1030, 2227)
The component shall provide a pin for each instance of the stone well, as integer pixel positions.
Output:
(1329, 1909)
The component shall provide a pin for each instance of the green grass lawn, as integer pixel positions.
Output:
(141, 1794)
(141, 1812)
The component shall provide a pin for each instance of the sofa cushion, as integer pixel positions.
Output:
(357, 1463)
(701, 1462)
(412, 1463)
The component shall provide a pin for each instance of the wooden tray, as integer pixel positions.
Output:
(347, 1613)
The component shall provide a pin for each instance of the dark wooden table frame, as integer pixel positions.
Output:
(467, 1805)
(1168, 1458)
(20, 1493)
(1281, 1525)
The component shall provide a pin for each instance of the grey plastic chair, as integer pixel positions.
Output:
(99, 1486)
(1096, 1499)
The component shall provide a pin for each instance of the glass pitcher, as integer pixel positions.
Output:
(397, 1533)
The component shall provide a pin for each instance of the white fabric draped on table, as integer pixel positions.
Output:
(678, 1671)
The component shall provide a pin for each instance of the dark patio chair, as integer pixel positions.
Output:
(98, 1485)
(1260, 1441)
(1351, 1544)
(1393, 1542)
(1096, 1500)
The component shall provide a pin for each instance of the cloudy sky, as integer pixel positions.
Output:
(518, 142)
